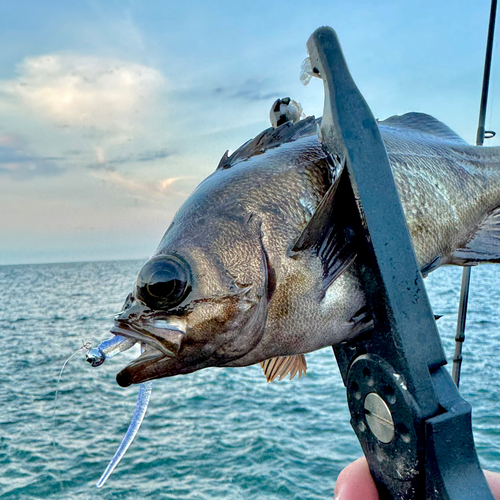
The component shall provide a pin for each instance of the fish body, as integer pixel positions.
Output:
(228, 285)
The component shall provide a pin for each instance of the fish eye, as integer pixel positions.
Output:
(164, 282)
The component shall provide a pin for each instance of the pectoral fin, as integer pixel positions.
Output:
(484, 246)
(284, 365)
(332, 230)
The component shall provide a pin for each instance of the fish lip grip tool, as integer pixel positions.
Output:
(414, 427)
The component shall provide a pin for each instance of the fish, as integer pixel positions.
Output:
(254, 268)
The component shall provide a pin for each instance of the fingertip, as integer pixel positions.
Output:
(355, 482)
(493, 479)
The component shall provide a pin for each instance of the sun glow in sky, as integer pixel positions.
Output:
(112, 112)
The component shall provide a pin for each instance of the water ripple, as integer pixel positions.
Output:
(217, 433)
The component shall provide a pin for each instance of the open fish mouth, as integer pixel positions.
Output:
(159, 339)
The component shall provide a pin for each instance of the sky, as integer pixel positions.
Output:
(111, 112)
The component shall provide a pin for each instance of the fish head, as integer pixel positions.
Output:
(200, 301)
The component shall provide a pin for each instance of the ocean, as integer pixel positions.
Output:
(220, 433)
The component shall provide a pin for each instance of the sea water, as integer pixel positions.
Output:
(217, 433)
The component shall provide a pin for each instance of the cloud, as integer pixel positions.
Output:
(86, 92)
(18, 162)
(146, 156)
(250, 90)
(103, 162)
(143, 189)
(10, 140)
(149, 156)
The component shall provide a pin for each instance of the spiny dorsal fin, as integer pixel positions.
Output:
(426, 124)
(284, 365)
(223, 160)
(269, 139)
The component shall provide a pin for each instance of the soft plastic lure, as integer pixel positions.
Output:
(96, 357)
(140, 411)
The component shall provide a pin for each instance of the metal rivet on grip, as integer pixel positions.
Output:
(379, 418)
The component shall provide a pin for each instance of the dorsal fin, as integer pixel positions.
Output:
(425, 124)
(269, 139)
(223, 160)
(281, 366)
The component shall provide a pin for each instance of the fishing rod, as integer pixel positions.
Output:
(481, 135)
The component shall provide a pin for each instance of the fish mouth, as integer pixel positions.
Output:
(160, 339)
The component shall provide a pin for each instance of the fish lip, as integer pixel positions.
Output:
(134, 372)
